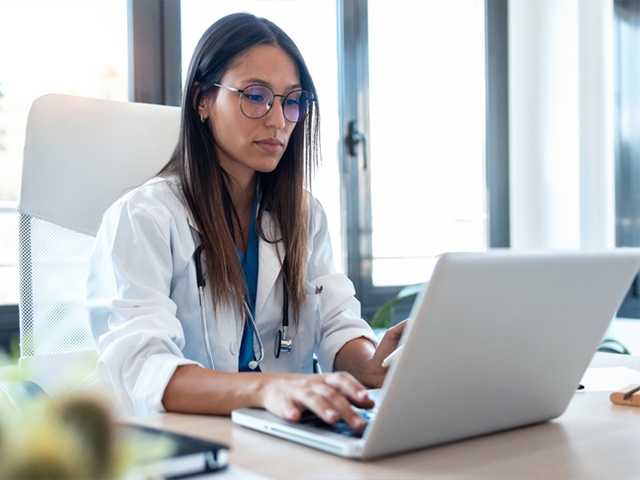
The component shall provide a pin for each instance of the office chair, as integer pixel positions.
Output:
(80, 155)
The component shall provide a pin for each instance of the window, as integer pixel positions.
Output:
(417, 184)
(627, 136)
(74, 47)
(404, 79)
(426, 135)
(316, 36)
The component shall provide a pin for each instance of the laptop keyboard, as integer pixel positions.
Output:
(341, 427)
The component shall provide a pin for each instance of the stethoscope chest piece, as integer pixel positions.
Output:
(283, 342)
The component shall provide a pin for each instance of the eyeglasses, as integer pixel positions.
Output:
(257, 100)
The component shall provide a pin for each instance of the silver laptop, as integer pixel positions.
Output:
(498, 340)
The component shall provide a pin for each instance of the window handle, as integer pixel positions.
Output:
(354, 138)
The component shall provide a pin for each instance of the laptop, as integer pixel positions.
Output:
(497, 340)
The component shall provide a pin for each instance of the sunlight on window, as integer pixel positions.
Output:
(427, 130)
(74, 47)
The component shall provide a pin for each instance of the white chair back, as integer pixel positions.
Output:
(80, 155)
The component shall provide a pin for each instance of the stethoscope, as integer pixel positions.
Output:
(283, 343)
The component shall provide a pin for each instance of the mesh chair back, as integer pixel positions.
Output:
(53, 270)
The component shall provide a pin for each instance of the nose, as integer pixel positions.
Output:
(275, 116)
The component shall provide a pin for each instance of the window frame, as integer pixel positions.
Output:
(155, 46)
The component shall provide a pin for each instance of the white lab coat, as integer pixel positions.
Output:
(145, 312)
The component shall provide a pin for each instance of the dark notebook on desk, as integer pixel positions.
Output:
(191, 456)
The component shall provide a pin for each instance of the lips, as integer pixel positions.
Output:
(270, 145)
(271, 141)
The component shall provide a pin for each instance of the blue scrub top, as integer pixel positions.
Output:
(249, 262)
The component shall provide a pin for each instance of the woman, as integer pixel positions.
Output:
(225, 249)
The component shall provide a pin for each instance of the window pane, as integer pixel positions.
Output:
(75, 47)
(627, 136)
(427, 131)
(312, 26)
(8, 253)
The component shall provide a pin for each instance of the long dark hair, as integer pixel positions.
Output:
(205, 184)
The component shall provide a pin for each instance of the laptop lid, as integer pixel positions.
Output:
(499, 339)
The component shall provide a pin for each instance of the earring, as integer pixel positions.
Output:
(202, 118)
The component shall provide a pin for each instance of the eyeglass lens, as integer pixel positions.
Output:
(257, 101)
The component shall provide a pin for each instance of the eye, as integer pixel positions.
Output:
(257, 95)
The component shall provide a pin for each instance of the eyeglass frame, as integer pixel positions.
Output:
(241, 91)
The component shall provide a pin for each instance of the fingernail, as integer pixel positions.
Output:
(331, 414)
(363, 394)
(292, 414)
(360, 424)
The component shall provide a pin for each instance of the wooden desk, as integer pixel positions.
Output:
(592, 439)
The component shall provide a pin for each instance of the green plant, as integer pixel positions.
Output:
(384, 315)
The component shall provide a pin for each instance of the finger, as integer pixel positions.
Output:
(350, 387)
(397, 330)
(318, 405)
(291, 411)
(286, 408)
(342, 405)
(401, 326)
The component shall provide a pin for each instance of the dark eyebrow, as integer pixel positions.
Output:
(253, 81)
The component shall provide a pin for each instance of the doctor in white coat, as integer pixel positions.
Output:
(213, 284)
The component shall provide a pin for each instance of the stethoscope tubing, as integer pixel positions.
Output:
(286, 344)
(204, 325)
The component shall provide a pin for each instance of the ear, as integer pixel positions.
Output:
(203, 109)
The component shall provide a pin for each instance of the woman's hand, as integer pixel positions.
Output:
(329, 396)
(363, 359)
(375, 373)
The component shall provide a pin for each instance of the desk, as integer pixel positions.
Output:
(592, 439)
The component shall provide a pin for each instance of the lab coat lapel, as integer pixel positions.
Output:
(269, 262)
